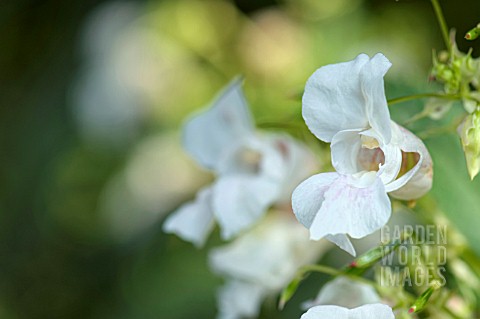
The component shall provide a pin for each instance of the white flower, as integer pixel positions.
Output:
(344, 292)
(253, 171)
(377, 311)
(261, 262)
(345, 104)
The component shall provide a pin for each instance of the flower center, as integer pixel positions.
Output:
(370, 156)
(249, 161)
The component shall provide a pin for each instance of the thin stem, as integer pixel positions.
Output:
(334, 272)
(438, 130)
(421, 96)
(320, 268)
(441, 22)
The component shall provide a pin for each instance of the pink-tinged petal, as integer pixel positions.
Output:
(237, 300)
(193, 221)
(418, 180)
(342, 241)
(208, 134)
(333, 100)
(377, 311)
(240, 200)
(353, 206)
(371, 77)
(308, 197)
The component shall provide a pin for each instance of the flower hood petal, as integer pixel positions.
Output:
(372, 85)
(207, 134)
(418, 180)
(347, 96)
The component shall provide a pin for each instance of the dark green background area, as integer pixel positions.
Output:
(55, 261)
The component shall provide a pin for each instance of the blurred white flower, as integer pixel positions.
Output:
(253, 171)
(345, 104)
(261, 262)
(377, 311)
(344, 292)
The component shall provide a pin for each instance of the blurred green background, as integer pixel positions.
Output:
(93, 94)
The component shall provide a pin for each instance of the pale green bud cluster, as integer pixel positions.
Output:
(469, 132)
(459, 73)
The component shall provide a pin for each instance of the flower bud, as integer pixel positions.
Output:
(469, 132)
(422, 301)
(473, 33)
(374, 255)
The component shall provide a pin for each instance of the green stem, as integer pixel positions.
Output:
(421, 96)
(334, 273)
(441, 22)
(320, 268)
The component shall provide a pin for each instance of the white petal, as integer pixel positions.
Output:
(344, 292)
(333, 100)
(240, 200)
(393, 163)
(371, 77)
(351, 210)
(377, 311)
(417, 181)
(193, 221)
(211, 132)
(343, 242)
(308, 197)
(345, 147)
(237, 300)
(327, 312)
